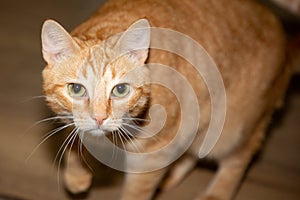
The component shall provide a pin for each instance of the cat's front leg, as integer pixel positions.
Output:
(141, 186)
(178, 171)
(77, 178)
(226, 181)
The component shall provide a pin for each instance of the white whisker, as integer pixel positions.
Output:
(136, 119)
(132, 140)
(121, 137)
(46, 120)
(70, 139)
(140, 129)
(63, 146)
(80, 151)
(33, 98)
(72, 144)
(47, 136)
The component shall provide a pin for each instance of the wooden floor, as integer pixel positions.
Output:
(275, 174)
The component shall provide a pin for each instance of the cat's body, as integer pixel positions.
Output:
(248, 46)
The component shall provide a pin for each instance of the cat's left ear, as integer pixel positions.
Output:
(135, 41)
(57, 43)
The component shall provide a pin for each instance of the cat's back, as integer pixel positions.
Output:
(234, 32)
(244, 39)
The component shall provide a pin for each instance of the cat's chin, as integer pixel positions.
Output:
(97, 132)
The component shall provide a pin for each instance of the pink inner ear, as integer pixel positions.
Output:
(57, 44)
(135, 40)
(140, 55)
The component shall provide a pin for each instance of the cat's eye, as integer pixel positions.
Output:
(76, 90)
(121, 90)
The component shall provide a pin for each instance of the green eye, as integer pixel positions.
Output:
(76, 90)
(121, 90)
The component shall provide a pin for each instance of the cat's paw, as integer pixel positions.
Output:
(77, 183)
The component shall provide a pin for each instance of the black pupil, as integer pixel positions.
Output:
(121, 88)
(77, 88)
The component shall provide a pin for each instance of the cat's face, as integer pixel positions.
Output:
(95, 84)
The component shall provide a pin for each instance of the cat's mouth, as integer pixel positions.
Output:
(111, 125)
(94, 128)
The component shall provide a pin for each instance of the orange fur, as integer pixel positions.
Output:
(244, 39)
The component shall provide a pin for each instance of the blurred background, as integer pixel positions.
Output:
(275, 174)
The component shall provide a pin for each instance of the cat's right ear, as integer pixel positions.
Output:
(57, 43)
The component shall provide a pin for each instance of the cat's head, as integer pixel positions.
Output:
(99, 84)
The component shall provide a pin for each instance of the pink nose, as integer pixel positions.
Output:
(100, 120)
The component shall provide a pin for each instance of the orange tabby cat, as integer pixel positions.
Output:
(88, 81)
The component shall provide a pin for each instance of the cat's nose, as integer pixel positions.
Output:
(100, 120)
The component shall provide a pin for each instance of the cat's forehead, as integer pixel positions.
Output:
(102, 62)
